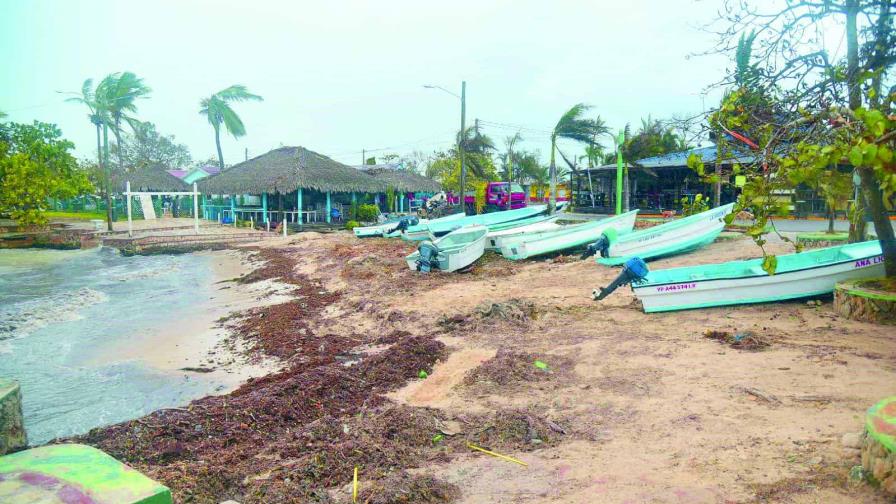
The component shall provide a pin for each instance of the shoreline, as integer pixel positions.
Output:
(200, 345)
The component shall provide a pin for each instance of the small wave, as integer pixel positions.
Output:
(23, 318)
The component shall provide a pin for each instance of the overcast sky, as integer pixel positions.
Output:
(341, 76)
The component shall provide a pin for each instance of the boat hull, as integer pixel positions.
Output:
(379, 230)
(578, 236)
(548, 224)
(816, 280)
(433, 229)
(454, 259)
(668, 239)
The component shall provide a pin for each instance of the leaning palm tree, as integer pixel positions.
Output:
(2, 114)
(98, 114)
(572, 126)
(119, 92)
(477, 147)
(218, 111)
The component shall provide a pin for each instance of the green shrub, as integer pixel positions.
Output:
(365, 213)
(352, 224)
(700, 204)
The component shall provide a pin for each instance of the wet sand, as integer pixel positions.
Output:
(200, 341)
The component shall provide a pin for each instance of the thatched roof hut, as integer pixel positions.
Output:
(402, 180)
(286, 169)
(149, 178)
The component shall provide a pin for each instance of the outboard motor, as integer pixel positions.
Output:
(404, 223)
(633, 271)
(602, 244)
(429, 257)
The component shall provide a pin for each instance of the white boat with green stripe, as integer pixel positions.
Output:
(806, 274)
(675, 237)
(571, 237)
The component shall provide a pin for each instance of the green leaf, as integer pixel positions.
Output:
(423, 374)
(855, 156)
(885, 154)
(541, 365)
(770, 264)
(869, 154)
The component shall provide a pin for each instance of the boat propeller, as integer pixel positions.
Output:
(404, 223)
(633, 271)
(602, 244)
(428, 257)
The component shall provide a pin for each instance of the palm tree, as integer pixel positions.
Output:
(2, 114)
(98, 114)
(572, 126)
(477, 147)
(218, 111)
(119, 92)
(511, 142)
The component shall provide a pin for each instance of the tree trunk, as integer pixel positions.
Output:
(873, 195)
(218, 145)
(553, 175)
(831, 215)
(107, 184)
(107, 171)
(882, 226)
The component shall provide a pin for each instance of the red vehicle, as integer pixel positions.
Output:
(498, 196)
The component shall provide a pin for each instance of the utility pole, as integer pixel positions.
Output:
(363, 157)
(509, 173)
(620, 140)
(460, 143)
(247, 153)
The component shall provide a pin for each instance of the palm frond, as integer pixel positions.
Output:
(232, 121)
(237, 93)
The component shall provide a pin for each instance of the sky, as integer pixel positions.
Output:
(342, 76)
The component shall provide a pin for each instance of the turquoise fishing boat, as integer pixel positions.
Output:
(383, 229)
(434, 229)
(806, 274)
(675, 237)
(528, 245)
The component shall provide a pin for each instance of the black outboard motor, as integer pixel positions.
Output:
(404, 223)
(633, 271)
(602, 244)
(429, 257)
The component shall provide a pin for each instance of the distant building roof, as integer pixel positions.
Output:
(179, 173)
(680, 159)
(379, 167)
(210, 169)
(148, 178)
(403, 180)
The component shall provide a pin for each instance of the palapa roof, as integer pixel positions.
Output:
(400, 179)
(286, 169)
(148, 178)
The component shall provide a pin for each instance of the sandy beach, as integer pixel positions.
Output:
(396, 372)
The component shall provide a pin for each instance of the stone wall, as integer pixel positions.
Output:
(12, 425)
(857, 301)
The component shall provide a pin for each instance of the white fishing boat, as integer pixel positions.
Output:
(566, 238)
(806, 274)
(382, 229)
(456, 250)
(434, 229)
(546, 224)
(675, 237)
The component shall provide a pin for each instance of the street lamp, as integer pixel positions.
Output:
(460, 143)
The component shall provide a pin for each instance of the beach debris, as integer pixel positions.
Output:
(198, 369)
(741, 340)
(761, 395)
(437, 438)
(514, 310)
(498, 455)
(404, 488)
(422, 374)
(355, 486)
(449, 427)
(508, 367)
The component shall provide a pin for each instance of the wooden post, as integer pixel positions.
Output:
(195, 208)
(233, 209)
(127, 194)
(329, 217)
(299, 203)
